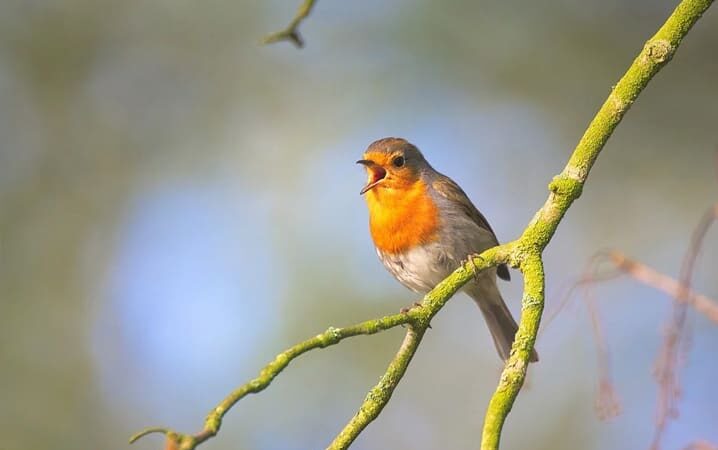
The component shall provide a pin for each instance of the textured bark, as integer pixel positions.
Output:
(525, 253)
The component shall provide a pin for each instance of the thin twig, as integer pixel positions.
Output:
(524, 253)
(380, 394)
(607, 401)
(514, 373)
(291, 33)
(670, 356)
(566, 188)
(651, 277)
(330, 337)
(701, 445)
(417, 318)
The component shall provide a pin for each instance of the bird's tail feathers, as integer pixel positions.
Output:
(501, 323)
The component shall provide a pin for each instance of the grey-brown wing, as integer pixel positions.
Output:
(446, 187)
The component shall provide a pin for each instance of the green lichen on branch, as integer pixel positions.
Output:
(331, 336)
(656, 53)
(380, 394)
(421, 317)
(417, 319)
(525, 253)
(514, 373)
(565, 189)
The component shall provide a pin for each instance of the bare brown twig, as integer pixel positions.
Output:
(651, 277)
(701, 445)
(607, 403)
(674, 347)
(672, 352)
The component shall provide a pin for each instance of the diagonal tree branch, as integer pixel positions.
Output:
(417, 319)
(380, 394)
(330, 337)
(524, 253)
(657, 280)
(565, 189)
(607, 401)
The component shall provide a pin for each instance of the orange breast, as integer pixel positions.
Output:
(400, 219)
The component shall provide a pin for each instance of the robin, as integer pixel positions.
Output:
(424, 227)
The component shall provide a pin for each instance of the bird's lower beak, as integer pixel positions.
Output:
(376, 174)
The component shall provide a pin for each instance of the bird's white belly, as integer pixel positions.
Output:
(421, 268)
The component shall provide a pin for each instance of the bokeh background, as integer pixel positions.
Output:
(179, 203)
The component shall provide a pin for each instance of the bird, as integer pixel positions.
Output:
(424, 227)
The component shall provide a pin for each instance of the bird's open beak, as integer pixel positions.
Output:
(376, 174)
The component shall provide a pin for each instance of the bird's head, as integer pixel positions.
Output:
(392, 163)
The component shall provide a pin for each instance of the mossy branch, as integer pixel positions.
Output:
(417, 319)
(524, 253)
(331, 336)
(291, 33)
(380, 394)
(567, 187)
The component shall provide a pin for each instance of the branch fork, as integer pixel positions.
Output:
(524, 253)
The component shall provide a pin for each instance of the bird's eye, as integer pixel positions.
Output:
(398, 161)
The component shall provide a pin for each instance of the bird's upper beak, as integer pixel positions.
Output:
(376, 174)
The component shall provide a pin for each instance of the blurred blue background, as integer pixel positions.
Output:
(179, 203)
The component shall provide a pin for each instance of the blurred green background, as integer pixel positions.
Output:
(179, 203)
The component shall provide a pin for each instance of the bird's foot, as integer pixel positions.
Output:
(470, 260)
(406, 309)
